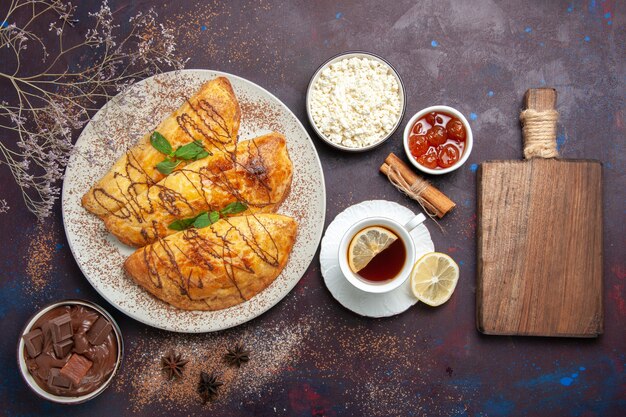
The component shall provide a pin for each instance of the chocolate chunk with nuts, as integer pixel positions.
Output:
(61, 328)
(33, 341)
(76, 368)
(62, 349)
(56, 380)
(99, 331)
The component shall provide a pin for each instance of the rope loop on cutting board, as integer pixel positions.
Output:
(539, 128)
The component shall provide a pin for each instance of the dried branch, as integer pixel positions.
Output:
(4, 207)
(49, 104)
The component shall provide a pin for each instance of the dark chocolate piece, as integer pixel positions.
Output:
(47, 333)
(56, 380)
(62, 349)
(61, 328)
(81, 345)
(76, 368)
(33, 341)
(99, 331)
(46, 361)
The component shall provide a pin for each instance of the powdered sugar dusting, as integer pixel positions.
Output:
(271, 351)
(39, 263)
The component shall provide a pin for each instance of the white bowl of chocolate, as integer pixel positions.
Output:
(70, 351)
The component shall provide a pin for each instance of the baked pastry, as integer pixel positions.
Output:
(256, 172)
(218, 266)
(211, 116)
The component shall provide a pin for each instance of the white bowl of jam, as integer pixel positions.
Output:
(438, 140)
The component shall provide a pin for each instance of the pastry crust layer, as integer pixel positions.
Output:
(218, 266)
(256, 172)
(212, 116)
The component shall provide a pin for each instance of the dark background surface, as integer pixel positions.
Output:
(313, 356)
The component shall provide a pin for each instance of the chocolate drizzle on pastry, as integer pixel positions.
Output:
(218, 133)
(131, 165)
(204, 250)
(218, 266)
(257, 173)
(211, 116)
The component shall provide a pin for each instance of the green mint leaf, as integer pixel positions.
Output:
(167, 166)
(189, 151)
(159, 143)
(202, 154)
(205, 219)
(202, 220)
(234, 208)
(182, 224)
(214, 216)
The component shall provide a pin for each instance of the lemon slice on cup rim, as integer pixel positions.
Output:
(434, 278)
(368, 243)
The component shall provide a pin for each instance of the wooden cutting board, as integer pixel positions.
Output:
(540, 243)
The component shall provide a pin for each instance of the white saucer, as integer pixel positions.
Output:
(366, 304)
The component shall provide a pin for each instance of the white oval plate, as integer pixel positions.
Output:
(116, 127)
(363, 303)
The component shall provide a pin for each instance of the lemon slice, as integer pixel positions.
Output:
(368, 243)
(434, 278)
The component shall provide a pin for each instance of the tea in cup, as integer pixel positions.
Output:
(377, 254)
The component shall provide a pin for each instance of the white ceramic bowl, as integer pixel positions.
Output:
(469, 139)
(402, 230)
(30, 381)
(340, 57)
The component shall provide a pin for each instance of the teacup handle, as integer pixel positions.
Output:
(415, 221)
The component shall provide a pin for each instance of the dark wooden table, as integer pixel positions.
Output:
(310, 356)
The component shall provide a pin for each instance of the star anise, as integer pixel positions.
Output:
(237, 355)
(208, 386)
(173, 364)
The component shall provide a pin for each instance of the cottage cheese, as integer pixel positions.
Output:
(356, 102)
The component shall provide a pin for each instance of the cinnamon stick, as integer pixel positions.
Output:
(434, 200)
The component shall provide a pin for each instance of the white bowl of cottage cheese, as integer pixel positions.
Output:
(355, 101)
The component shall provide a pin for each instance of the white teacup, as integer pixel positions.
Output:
(402, 231)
